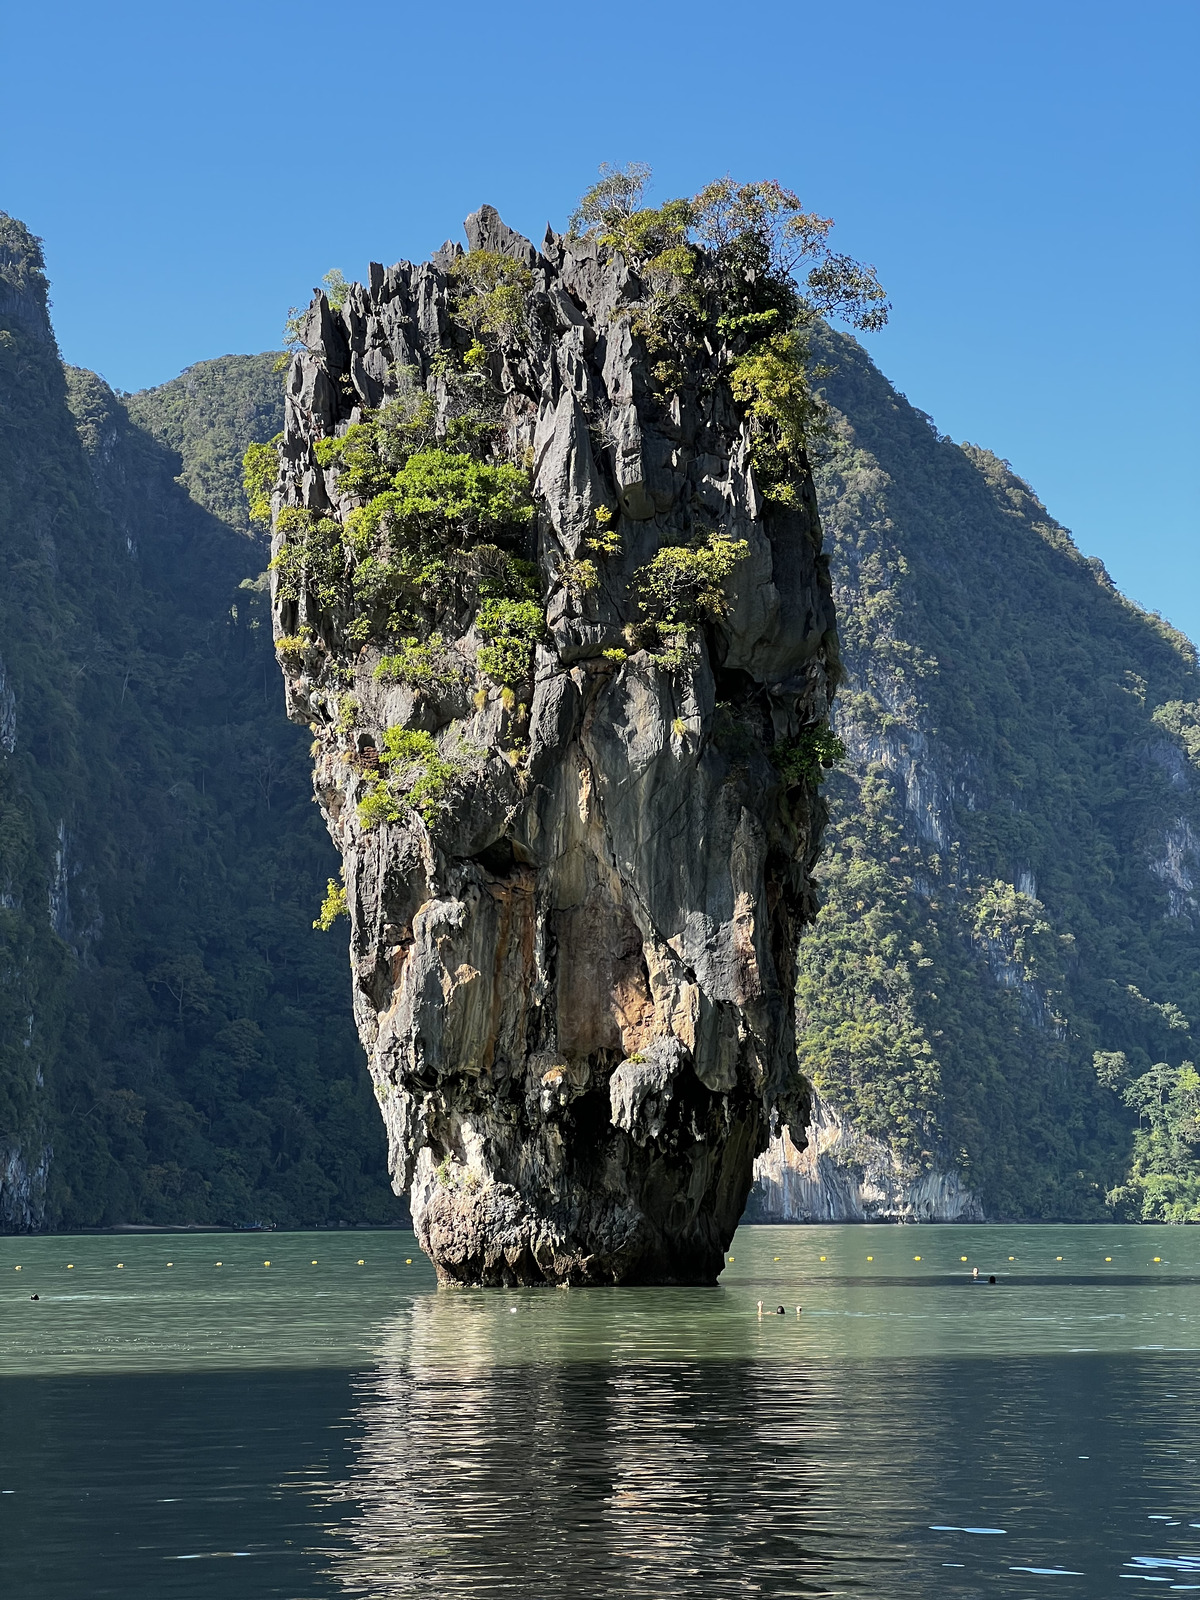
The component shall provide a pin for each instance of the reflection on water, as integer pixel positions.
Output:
(179, 1419)
(905, 1478)
(581, 1477)
(910, 1435)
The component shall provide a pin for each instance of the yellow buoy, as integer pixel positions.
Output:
(170, 1263)
(120, 1266)
(314, 1263)
(1158, 1258)
(408, 1261)
(217, 1263)
(870, 1258)
(777, 1258)
(361, 1262)
(822, 1258)
(916, 1258)
(1108, 1258)
(16, 1269)
(70, 1266)
(1012, 1258)
(266, 1263)
(962, 1258)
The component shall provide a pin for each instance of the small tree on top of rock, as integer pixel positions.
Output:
(746, 262)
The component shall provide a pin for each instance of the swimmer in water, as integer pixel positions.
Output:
(974, 1272)
(35, 1297)
(992, 1279)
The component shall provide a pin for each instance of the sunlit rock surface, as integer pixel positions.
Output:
(844, 1175)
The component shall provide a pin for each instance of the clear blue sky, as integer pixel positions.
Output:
(1023, 176)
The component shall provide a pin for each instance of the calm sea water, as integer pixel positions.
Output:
(178, 1418)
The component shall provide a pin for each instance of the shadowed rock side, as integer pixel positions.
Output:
(574, 982)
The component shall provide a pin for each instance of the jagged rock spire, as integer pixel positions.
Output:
(574, 982)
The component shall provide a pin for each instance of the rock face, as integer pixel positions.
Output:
(844, 1175)
(574, 975)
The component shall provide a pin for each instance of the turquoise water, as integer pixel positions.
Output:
(178, 1418)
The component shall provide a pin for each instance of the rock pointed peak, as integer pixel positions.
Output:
(485, 230)
(445, 258)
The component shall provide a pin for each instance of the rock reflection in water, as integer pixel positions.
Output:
(570, 1474)
(606, 1444)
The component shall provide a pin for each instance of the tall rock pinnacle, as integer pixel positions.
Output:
(568, 667)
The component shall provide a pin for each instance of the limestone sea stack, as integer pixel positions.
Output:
(568, 668)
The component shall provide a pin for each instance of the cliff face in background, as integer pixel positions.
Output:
(841, 1174)
(174, 1041)
(1007, 965)
(573, 963)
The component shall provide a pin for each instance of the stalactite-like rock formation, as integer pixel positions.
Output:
(573, 787)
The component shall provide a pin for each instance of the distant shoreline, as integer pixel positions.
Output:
(126, 1228)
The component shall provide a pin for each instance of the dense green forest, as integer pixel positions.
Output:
(175, 1040)
(1004, 978)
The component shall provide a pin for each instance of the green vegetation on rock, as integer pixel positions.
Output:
(743, 262)
(426, 665)
(492, 298)
(511, 629)
(412, 774)
(332, 907)
(682, 585)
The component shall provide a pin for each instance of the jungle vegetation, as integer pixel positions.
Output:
(175, 1040)
(1005, 977)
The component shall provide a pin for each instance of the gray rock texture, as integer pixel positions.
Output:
(575, 988)
(8, 713)
(844, 1175)
(23, 1177)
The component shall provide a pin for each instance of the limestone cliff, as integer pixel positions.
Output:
(844, 1175)
(1007, 958)
(576, 851)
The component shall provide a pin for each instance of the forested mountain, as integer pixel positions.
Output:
(996, 1002)
(1003, 986)
(175, 1040)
